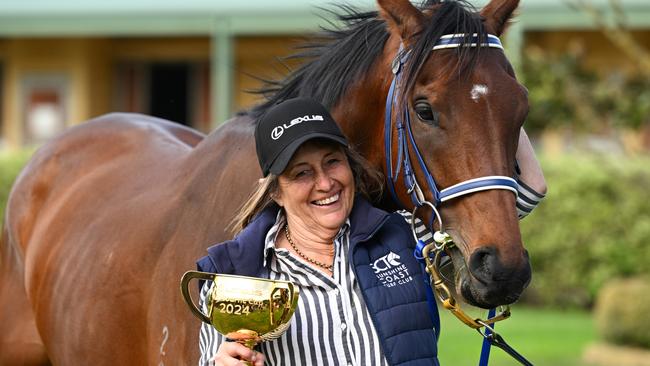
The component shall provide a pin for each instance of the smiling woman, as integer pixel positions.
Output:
(310, 222)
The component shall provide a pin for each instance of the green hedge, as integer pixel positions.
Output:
(566, 94)
(594, 225)
(622, 312)
(10, 165)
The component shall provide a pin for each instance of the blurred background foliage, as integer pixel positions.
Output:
(564, 94)
(10, 165)
(593, 226)
(622, 311)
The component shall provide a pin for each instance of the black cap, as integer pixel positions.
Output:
(286, 126)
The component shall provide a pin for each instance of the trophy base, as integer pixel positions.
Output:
(248, 338)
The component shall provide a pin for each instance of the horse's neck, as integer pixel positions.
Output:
(360, 111)
(219, 174)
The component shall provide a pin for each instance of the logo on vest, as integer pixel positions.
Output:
(277, 132)
(390, 271)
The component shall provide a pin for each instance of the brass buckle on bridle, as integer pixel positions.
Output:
(442, 242)
(432, 255)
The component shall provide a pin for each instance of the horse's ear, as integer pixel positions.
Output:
(402, 17)
(497, 13)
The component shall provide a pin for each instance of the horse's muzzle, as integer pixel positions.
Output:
(490, 282)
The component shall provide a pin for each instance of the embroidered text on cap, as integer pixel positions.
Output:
(277, 132)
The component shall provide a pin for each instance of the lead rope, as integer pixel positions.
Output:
(486, 345)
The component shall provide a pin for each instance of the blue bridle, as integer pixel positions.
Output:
(405, 138)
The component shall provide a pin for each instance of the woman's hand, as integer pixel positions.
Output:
(233, 353)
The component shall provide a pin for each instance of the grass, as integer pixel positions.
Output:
(545, 337)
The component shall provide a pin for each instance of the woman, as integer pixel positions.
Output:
(310, 222)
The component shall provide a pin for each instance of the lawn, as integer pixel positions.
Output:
(544, 337)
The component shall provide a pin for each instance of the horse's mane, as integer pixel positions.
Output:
(339, 55)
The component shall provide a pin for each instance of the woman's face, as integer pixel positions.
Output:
(317, 187)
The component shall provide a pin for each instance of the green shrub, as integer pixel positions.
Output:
(565, 94)
(622, 312)
(10, 166)
(594, 225)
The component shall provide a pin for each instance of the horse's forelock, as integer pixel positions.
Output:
(448, 17)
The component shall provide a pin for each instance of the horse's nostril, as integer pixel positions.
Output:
(487, 266)
(484, 264)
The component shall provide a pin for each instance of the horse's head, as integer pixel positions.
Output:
(466, 109)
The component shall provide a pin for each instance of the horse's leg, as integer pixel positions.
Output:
(20, 343)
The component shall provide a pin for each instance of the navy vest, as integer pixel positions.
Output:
(390, 278)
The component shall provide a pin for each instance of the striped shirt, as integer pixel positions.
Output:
(331, 325)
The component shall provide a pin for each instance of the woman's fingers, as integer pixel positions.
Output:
(232, 354)
(258, 359)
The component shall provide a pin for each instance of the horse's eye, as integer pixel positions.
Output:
(425, 113)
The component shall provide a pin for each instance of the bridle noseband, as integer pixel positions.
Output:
(430, 255)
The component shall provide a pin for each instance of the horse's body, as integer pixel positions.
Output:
(104, 220)
(137, 186)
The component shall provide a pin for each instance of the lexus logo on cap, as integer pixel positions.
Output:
(277, 132)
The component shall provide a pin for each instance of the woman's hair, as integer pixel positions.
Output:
(367, 181)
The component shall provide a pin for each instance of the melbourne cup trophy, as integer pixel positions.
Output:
(247, 310)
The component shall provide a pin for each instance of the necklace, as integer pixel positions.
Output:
(302, 255)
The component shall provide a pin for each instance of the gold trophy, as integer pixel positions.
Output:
(247, 310)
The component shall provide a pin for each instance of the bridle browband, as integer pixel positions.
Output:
(431, 255)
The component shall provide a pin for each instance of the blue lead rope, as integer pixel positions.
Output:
(485, 348)
(431, 299)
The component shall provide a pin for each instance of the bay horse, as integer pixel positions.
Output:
(104, 219)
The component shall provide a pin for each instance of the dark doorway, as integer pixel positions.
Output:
(169, 91)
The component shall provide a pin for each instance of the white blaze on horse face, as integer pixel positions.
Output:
(478, 90)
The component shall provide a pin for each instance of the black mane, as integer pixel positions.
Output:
(338, 56)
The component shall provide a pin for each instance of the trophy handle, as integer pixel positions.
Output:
(288, 306)
(185, 281)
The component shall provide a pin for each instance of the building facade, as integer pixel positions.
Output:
(64, 62)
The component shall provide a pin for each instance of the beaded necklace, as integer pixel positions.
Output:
(302, 255)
